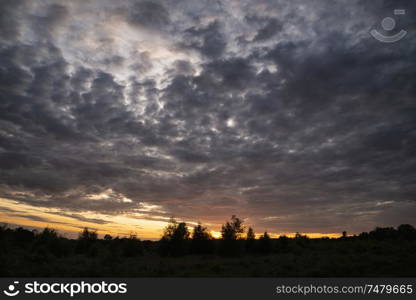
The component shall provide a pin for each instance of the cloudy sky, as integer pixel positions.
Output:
(117, 115)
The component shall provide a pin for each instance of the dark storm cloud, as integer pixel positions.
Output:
(268, 26)
(306, 125)
(9, 14)
(149, 14)
(44, 25)
(83, 219)
(209, 40)
(269, 30)
(34, 218)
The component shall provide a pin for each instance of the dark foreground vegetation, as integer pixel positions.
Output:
(383, 252)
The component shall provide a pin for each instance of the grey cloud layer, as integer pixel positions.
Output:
(287, 113)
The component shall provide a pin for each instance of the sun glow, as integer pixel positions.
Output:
(71, 223)
(143, 222)
(215, 234)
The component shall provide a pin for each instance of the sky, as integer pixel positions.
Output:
(117, 115)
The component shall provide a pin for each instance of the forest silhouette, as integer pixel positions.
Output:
(181, 252)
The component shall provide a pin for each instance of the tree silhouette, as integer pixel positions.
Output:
(175, 239)
(301, 240)
(49, 242)
(265, 243)
(88, 235)
(383, 233)
(250, 234)
(232, 230)
(231, 233)
(26, 252)
(407, 232)
(250, 240)
(23, 236)
(282, 244)
(132, 246)
(201, 240)
(87, 242)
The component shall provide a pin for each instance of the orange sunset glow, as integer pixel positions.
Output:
(122, 225)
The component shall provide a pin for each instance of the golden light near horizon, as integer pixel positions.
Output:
(72, 222)
(69, 224)
(215, 234)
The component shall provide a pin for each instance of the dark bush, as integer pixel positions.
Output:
(384, 252)
(406, 232)
(250, 240)
(23, 237)
(201, 242)
(87, 242)
(132, 246)
(265, 244)
(282, 244)
(232, 244)
(383, 233)
(175, 240)
(48, 241)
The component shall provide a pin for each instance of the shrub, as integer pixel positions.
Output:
(250, 240)
(132, 246)
(86, 243)
(265, 244)
(231, 243)
(201, 242)
(175, 239)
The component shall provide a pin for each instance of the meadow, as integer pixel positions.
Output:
(383, 252)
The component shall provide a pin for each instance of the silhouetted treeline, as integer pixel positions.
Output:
(46, 253)
(177, 239)
(403, 232)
